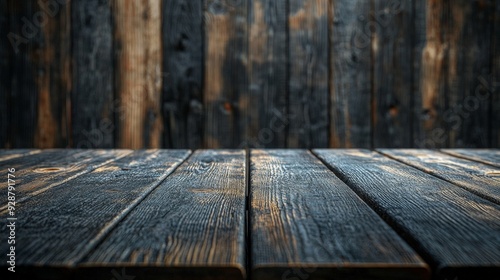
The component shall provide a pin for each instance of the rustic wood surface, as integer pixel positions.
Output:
(302, 216)
(486, 156)
(195, 218)
(455, 231)
(257, 214)
(250, 73)
(63, 224)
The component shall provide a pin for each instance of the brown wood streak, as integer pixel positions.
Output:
(225, 82)
(308, 82)
(139, 74)
(350, 65)
(53, 79)
(430, 76)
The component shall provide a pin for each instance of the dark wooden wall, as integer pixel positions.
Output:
(249, 73)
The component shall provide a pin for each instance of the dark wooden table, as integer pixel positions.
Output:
(260, 214)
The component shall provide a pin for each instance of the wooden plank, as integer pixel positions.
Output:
(455, 231)
(225, 75)
(494, 86)
(182, 37)
(5, 75)
(266, 102)
(486, 156)
(16, 153)
(429, 75)
(52, 75)
(308, 83)
(472, 176)
(350, 64)
(62, 225)
(139, 73)
(191, 227)
(40, 172)
(306, 222)
(24, 94)
(92, 104)
(392, 54)
(468, 35)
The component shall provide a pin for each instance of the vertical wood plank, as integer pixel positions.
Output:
(266, 101)
(53, 74)
(182, 37)
(494, 87)
(138, 82)
(225, 76)
(429, 75)
(23, 96)
(92, 110)
(5, 75)
(350, 64)
(308, 101)
(392, 73)
(468, 61)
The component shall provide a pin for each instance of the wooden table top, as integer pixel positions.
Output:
(259, 214)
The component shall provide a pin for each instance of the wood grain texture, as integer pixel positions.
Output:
(455, 231)
(429, 75)
(392, 54)
(40, 172)
(225, 78)
(52, 76)
(468, 35)
(477, 178)
(308, 83)
(267, 117)
(195, 219)
(62, 225)
(138, 79)
(182, 37)
(486, 156)
(92, 101)
(16, 153)
(306, 223)
(350, 82)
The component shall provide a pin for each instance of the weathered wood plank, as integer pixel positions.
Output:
(138, 72)
(40, 172)
(266, 102)
(494, 86)
(308, 83)
(472, 176)
(454, 230)
(92, 103)
(62, 225)
(304, 221)
(16, 153)
(191, 227)
(350, 83)
(486, 156)
(182, 37)
(392, 54)
(429, 75)
(468, 35)
(225, 80)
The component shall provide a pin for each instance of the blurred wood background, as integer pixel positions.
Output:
(249, 73)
